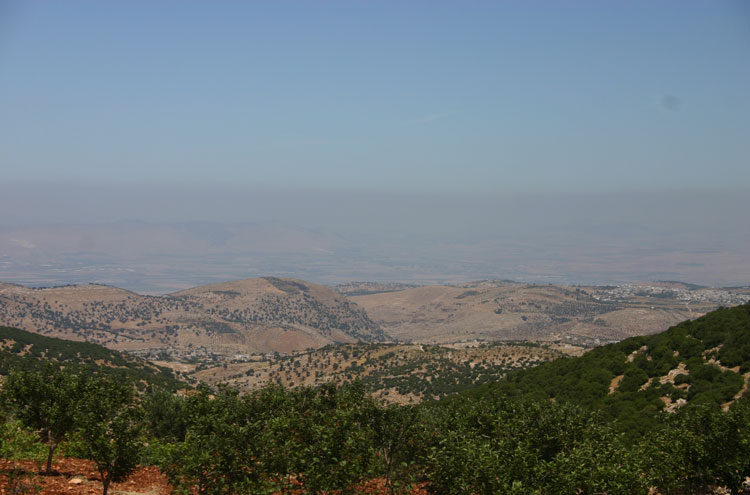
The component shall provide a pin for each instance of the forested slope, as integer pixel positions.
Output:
(20, 349)
(703, 361)
(557, 428)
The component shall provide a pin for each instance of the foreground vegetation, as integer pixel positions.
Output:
(703, 361)
(320, 439)
(559, 428)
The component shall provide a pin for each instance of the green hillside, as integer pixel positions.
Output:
(704, 361)
(507, 437)
(20, 349)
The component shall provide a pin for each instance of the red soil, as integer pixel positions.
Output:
(26, 478)
(78, 477)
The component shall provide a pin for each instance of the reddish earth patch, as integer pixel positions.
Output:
(378, 487)
(75, 477)
(79, 477)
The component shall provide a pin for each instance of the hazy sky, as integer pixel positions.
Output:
(401, 96)
(416, 140)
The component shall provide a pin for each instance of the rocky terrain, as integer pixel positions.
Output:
(73, 476)
(76, 477)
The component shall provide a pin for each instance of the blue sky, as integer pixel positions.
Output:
(404, 96)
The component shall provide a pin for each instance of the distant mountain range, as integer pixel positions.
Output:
(706, 360)
(500, 310)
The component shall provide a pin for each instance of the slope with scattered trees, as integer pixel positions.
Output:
(21, 349)
(568, 427)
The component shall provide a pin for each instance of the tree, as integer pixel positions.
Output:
(598, 462)
(335, 430)
(109, 424)
(283, 451)
(397, 440)
(219, 454)
(165, 415)
(46, 400)
(701, 446)
(3, 418)
(490, 446)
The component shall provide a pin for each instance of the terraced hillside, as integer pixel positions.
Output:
(393, 372)
(252, 316)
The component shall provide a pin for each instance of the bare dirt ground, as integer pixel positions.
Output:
(75, 477)
(78, 477)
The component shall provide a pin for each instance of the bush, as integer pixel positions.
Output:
(17, 442)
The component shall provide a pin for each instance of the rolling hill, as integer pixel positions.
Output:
(251, 316)
(259, 317)
(506, 310)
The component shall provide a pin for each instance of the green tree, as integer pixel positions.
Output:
(478, 447)
(109, 425)
(45, 399)
(700, 447)
(397, 432)
(220, 452)
(283, 452)
(598, 462)
(491, 446)
(3, 419)
(335, 431)
(165, 415)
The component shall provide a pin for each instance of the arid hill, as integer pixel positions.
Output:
(246, 316)
(267, 315)
(500, 310)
